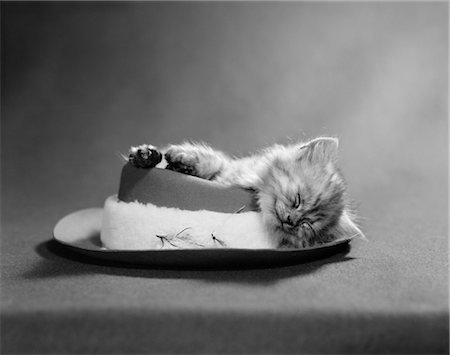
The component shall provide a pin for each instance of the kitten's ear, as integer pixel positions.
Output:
(322, 150)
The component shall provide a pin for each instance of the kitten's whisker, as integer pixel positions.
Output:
(122, 156)
(240, 209)
(363, 237)
(311, 228)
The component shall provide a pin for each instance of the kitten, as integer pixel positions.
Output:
(299, 190)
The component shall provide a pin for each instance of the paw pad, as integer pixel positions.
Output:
(144, 156)
(179, 160)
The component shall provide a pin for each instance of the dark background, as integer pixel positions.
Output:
(81, 82)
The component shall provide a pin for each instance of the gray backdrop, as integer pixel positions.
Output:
(81, 82)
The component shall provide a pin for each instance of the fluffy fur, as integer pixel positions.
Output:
(299, 189)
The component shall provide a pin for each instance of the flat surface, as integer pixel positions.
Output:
(82, 82)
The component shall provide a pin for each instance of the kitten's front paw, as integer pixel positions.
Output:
(144, 156)
(181, 159)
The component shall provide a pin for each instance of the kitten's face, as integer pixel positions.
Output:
(302, 196)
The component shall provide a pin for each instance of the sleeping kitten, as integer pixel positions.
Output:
(300, 191)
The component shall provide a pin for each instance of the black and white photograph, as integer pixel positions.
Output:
(224, 177)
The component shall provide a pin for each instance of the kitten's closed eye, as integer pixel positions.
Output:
(298, 201)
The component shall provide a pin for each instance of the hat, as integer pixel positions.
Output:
(188, 219)
(162, 209)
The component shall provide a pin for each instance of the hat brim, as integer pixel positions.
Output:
(80, 231)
